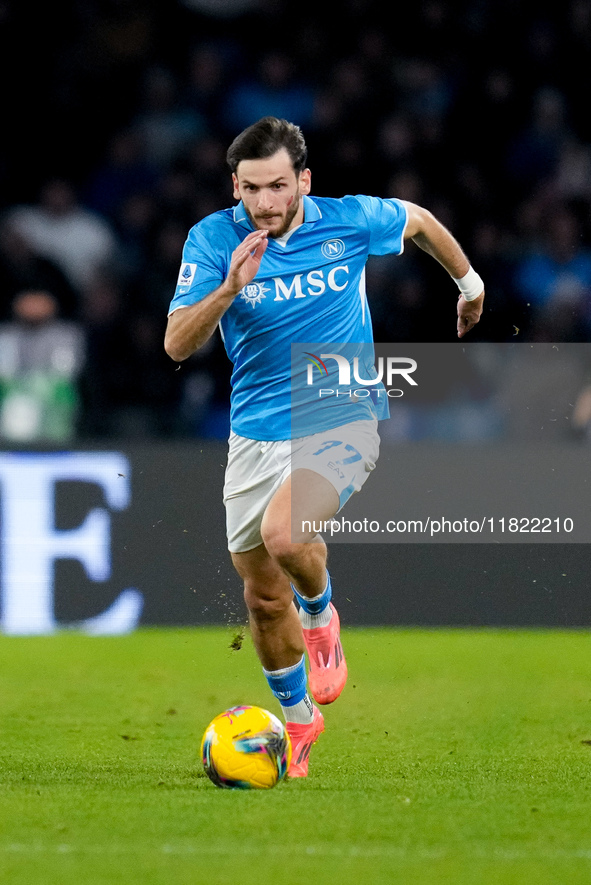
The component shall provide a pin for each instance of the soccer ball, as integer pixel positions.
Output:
(246, 748)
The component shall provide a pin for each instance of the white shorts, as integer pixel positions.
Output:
(345, 456)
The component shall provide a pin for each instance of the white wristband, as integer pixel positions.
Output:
(470, 285)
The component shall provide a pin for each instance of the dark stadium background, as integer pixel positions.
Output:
(477, 110)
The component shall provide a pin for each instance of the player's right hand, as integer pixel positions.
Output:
(246, 260)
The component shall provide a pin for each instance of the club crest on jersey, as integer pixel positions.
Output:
(333, 249)
(186, 274)
(253, 293)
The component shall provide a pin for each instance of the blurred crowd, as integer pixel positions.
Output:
(116, 128)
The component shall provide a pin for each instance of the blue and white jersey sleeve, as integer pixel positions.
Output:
(386, 221)
(203, 268)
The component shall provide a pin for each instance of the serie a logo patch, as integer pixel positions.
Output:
(186, 274)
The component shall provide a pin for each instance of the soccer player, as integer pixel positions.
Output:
(283, 267)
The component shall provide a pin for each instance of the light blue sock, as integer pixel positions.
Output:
(290, 688)
(316, 605)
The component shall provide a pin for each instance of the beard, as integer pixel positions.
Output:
(259, 221)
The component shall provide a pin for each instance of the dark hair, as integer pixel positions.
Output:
(264, 138)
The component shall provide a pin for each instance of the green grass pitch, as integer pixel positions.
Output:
(453, 756)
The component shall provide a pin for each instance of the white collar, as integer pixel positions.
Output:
(283, 240)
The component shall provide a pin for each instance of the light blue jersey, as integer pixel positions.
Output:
(309, 288)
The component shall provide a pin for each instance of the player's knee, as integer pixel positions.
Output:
(280, 546)
(262, 605)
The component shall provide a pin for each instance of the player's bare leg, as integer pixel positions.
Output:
(308, 497)
(304, 497)
(274, 622)
(278, 639)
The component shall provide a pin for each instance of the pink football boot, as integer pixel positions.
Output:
(302, 738)
(328, 668)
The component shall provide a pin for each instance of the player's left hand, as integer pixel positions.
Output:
(469, 312)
